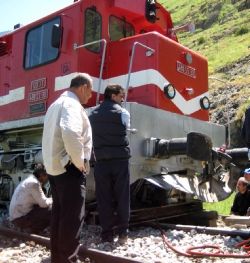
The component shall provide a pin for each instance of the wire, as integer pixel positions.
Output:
(218, 252)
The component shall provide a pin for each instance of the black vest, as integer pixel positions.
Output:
(109, 133)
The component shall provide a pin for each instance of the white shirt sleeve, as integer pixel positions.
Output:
(87, 139)
(125, 118)
(76, 133)
(39, 196)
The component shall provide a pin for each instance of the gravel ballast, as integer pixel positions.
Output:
(144, 245)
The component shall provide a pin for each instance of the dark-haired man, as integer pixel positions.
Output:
(29, 208)
(111, 147)
(242, 198)
(66, 147)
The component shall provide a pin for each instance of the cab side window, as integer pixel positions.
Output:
(119, 28)
(93, 29)
(38, 46)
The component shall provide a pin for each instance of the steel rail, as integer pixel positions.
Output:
(93, 254)
(206, 230)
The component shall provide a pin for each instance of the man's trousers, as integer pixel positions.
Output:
(68, 209)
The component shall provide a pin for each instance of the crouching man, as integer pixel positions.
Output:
(30, 209)
(242, 198)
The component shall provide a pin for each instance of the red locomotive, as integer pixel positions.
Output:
(38, 60)
(131, 43)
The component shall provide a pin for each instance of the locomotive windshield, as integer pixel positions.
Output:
(38, 48)
(93, 29)
(119, 28)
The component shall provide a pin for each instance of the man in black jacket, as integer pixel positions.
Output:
(109, 123)
(242, 198)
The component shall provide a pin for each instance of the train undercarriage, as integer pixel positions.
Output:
(174, 163)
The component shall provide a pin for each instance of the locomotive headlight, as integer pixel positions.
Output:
(205, 103)
(169, 91)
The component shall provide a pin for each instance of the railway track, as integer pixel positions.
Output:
(190, 212)
(95, 255)
(159, 240)
(85, 254)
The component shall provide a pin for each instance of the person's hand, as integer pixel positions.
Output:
(86, 166)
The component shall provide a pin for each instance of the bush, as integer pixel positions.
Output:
(241, 31)
(201, 40)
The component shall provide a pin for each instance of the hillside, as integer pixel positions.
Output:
(223, 36)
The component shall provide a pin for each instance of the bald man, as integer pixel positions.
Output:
(242, 199)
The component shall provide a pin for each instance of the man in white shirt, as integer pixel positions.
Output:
(29, 208)
(66, 147)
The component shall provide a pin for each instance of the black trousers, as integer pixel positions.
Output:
(68, 194)
(35, 221)
(113, 195)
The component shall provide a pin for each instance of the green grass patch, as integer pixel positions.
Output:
(222, 207)
(222, 35)
(183, 9)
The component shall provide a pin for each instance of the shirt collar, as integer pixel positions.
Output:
(70, 94)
